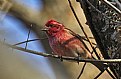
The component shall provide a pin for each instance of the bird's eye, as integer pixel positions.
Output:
(51, 25)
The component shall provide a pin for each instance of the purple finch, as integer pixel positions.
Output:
(63, 42)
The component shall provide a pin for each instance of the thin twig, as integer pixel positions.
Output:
(26, 41)
(31, 40)
(110, 74)
(94, 8)
(81, 37)
(84, 38)
(82, 70)
(99, 74)
(47, 38)
(28, 36)
(119, 4)
(107, 72)
(103, 14)
(82, 28)
(89, 37)
(112, 6)
(75, 59)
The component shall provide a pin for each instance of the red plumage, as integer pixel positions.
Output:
(63, 42)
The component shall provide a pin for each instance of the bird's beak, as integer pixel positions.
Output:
(44, 30)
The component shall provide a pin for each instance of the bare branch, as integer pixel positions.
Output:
(112, 6)
(37, 39)
(30, 41)
(82, 70)
(75, 59)
(83, 30)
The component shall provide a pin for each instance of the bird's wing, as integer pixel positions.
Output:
(100, 66)
(78, 36)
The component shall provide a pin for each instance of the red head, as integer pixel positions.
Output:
(53, 27)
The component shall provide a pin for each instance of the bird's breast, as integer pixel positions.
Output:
(66, 44)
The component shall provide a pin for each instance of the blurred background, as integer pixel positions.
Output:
(16, 17)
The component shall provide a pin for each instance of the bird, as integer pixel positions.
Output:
(63, 41)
